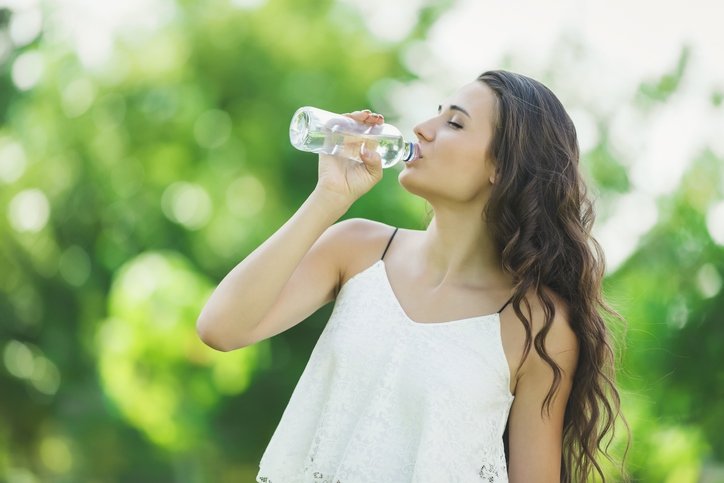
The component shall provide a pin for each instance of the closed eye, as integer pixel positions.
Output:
(454, 125)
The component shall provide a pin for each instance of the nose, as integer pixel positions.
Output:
(424, 131)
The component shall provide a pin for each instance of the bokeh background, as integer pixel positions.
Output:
(144, 151)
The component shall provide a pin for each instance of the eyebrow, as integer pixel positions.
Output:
(455, 107)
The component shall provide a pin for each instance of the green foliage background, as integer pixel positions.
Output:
(143, 182)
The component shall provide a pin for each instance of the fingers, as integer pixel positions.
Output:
(366, 116)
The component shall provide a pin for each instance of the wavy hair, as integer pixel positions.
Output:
(541, 217)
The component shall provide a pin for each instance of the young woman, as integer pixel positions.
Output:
(473, 350)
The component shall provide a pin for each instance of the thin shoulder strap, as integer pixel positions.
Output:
(388, 244)
(506, 304)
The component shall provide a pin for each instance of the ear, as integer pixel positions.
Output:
(493, 171)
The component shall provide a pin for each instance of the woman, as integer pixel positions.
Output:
(407, 382)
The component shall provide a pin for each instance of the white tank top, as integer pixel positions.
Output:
(386, 399)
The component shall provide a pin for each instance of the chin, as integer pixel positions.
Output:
(411, 183)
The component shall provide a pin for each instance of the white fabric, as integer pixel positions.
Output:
(386, 399)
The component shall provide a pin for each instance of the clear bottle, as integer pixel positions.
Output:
(323, 132)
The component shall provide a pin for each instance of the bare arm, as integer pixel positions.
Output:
(535, 439)
(296, 270)
(248, 291)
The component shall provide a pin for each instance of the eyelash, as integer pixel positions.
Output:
(452, 124)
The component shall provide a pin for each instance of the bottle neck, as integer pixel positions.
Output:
(412, 151)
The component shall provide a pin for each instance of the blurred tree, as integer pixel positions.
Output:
(672, 369)
(141, 182)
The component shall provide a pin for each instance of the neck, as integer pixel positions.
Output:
(457, 250)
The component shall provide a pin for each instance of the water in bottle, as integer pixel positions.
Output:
(323, 132)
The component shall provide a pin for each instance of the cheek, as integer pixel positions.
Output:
(470, 165)
(457, 170)
(468, 175)
(467, 185)
(457, 179)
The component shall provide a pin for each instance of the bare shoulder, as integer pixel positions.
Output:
(362, 228)
(537, 415)
(358, 243)
(561, 341)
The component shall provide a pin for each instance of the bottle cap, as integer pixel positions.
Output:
(412, 152)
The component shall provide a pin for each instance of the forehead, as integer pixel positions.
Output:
(476, 98)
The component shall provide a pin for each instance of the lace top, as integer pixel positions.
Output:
(386, 399)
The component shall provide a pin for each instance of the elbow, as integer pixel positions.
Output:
(210, 337)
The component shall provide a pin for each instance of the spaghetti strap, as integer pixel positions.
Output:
(388, 244)
(506, 304)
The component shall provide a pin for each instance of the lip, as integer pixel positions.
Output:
(413, 161)
(418, 150)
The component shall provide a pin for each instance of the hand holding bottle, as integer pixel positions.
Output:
(344, 179)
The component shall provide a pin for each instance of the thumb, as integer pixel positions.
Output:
(371, 158)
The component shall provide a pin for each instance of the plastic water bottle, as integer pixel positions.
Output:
(323, 132)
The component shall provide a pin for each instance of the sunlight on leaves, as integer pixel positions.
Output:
(153, 365)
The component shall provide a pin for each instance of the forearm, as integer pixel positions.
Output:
(248, 291)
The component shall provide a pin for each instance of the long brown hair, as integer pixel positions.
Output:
(541, 217)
